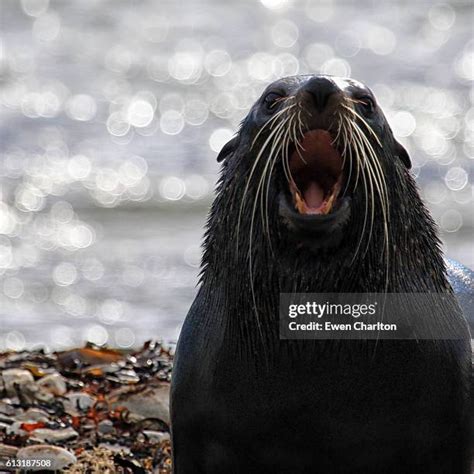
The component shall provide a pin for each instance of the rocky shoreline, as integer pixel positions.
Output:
(86, 410)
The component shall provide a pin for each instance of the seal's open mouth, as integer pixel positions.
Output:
(315, 211)
(317, 174)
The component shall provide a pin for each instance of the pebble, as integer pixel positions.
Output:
(105, 427)
(78, 401)
(156, 436)
(151, 402)
(6, 407)
(6, 419)
(59, 457)
(13, 377)
(7, 451)
(54, 436)
(53, 383)
(15, 429)
(36, 392)
(33, 414)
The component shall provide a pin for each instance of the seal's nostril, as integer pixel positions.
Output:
(320, 88)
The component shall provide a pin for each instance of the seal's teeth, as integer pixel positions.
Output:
(302, 206)
(300, 203)
(330, 202)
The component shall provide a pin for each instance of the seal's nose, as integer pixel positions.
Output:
(321, 89)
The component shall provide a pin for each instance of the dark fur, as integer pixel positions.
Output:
(244, 401)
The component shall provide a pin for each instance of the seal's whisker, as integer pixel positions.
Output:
(369, 128)
(262, 149)
(286, 164)
(339, 129)
(252, 287)
(350, 127)
(366, 178)
(383, 194)
(373, 161)
(385, 220)
(300, 122)
(261, 195)
(377, 168)
(257, 160)
(281, 141)
(359, 163)
(250, 253)
(341, 136)
(374, 169)
(351, 165)
(381, 175)
(340, 142)
(297, 122)
(299, 146)
(283, 148)
(272, 157)
(355, 101)
(358, 151)
(267, 192)
(365, 145)
(270, 123)
(285, 159)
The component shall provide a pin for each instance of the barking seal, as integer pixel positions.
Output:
(315, 196)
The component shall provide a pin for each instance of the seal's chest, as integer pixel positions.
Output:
(334, 412)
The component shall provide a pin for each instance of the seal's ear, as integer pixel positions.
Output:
(228, 149)
(401, 152)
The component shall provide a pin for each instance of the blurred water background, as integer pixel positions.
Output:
(112, 113)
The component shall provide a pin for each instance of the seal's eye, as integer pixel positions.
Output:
(367, 104)
(271, 99)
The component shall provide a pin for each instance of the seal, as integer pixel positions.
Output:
(315, 195)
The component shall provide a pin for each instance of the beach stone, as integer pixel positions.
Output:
(33, 414)
(6, 408)
(15, 428)
(36, 392)
(105, 427)
(156, 436)
(59, 457)
(78, 401)
(12, 377)
(147, 401)
(53, 383)
(6, 419)
(54, 436)
(7, 451)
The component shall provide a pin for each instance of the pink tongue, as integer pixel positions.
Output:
(313, 195)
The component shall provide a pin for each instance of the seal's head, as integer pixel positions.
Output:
(319, 152)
